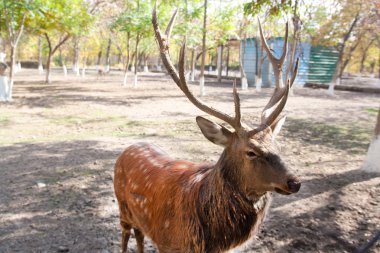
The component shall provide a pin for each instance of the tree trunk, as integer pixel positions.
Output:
(228, 60)
(52, 50)
(192, 77)
(47, 77)
(40, 67)
(136, 58)
(243, 76)
(202, 77)
(99, 59)
(259, 77)
(11, 75)
(107, 68)
(128, 58)
(296, 29)
(364, 55)
(348, 58)
(76, 55)
(341, 50)
(372, 161)
(146, 68)
(62, 62)
(220, 62)
(377, 127)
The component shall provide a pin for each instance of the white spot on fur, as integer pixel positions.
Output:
(167, 224)
(182, 166)
(197, 178)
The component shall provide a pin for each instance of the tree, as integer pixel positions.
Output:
(59, 21)
(135, 21)
(202, 77)
(372, 161)
(14, 16)
(345, 29)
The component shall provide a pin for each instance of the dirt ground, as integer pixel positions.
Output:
(59, 142)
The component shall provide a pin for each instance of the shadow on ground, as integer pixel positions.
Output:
(58, 197)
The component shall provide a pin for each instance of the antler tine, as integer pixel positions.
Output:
(285, 49)
(179, 77)
(280, 93)
(295, 71)
(275, 62)
(265, 45)
(162, 43)
(169, 28)
(271, 111)
(271, 114)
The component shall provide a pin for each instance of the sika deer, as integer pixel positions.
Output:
(188, 207)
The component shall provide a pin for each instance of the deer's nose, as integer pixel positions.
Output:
(294, 186)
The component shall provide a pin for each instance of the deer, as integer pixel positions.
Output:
(185, 207)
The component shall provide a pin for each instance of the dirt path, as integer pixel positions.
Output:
(58, 144)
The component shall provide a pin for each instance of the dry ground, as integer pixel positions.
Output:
(58, 144)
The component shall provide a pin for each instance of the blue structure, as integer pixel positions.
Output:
(316, 64)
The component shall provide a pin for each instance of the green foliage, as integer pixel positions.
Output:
(64, 16)
(274, 8)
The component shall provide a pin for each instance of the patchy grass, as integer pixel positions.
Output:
(372, 110)
(4, 120)
(352, 138)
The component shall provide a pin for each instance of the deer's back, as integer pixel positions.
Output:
(150, 188)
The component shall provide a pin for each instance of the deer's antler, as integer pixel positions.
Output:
(179, 76)
(278, 100)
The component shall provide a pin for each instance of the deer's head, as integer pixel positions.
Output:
(251, 152)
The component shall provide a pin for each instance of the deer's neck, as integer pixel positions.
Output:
(227, 215)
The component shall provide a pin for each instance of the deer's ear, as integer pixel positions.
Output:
(214, 132)
(276, 126)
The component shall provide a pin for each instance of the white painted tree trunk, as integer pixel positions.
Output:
(64, 70)
(244, 83)
(40, 69)
(125, 78)
(3, 88)
(192, 78)
(135, 81)
(75, 67)
(10, 91)
(372, 161)
(19, 66)
(2, 57)
(107, 68)
(202, 91)
(330, 91)
(15, 68)
(84, 72)
(146, 69)
(259, 82)
(209, 69)
(132, 68)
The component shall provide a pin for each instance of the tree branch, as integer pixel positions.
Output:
(60, 43)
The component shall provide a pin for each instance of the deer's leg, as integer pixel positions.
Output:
(140, 240)
(125, 234)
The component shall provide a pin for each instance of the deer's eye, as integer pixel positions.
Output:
(250, 154)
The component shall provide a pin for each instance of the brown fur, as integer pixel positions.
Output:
(184, 207)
